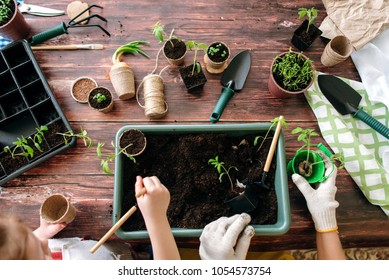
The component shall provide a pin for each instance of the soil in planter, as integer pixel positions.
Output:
(175, 50)
(197, 195)
(134, 137)
(95, 104)
(51, 136)
(12, 164)
(221, 55)
(37, 153)
(192, 82)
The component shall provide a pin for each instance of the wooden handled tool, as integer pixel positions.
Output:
(68, 47)
(118, 224)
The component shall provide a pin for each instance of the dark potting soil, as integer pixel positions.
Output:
(192, 82)
(51, 136)
(135, 138)
(221, 52)
(103, 104)
(174, 49)
(197, 195)
(10, 164)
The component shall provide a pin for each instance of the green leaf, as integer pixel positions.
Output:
(105, 166)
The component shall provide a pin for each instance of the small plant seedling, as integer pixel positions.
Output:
(311, 14)
(133, 48)
(274, 122)
(160, 34)
(83, 134)
(295, 71)
(193, 45)
(110, 157)
(305, 135)
(100, 97)
(221, 169)
(216, 49)
(5, 11)
(22, 145)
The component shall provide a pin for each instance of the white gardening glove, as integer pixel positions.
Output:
(227, 238)
(321, 202)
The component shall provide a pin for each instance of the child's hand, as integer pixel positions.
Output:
(154, 203)
(47, 230)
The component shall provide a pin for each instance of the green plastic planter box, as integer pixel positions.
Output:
(281, 182)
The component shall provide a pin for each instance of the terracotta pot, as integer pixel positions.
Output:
(277, 90)
(16, 28)
(216, 67)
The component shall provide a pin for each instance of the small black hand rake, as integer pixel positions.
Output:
(62, 28)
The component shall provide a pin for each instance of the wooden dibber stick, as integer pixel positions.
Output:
(118, 223)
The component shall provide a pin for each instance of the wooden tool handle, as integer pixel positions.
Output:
(273, 145)
(114, 228)
(63, 47)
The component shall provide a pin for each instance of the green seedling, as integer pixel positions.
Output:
(305, 135)
(214, 50)
(100, 97)
(133, 48)
(274, 122)
(193, 45)
(5, 11)
(83, 134)
(107, 158)
(311, 14)
(294, 70)
(221, 169)
(22, 144)
(161, 35)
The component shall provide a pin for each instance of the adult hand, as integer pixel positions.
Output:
(227, 238)
(321, 201)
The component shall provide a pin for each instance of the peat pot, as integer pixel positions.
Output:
(192, 195)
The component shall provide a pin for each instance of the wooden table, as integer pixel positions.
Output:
(264, 27)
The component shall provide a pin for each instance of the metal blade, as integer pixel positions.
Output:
(39, 10)
(237, 70)
(342, 96)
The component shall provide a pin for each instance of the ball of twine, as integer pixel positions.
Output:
(155, 105)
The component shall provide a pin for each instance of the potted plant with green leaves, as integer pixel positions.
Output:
(193, 75)
(174, 49)
(216, 57)
(13, 26)
(308, 162)
(121, 74)
(307, 32)
(291, 73)
(101, 99)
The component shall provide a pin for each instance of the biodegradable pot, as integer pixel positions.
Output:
(302, 39)
(134, 140)
(104, 106)
(217, 62)
(81, 87)
(57, 209)
(175, 50)
(316, 171)
(275, 83)
(193, 82)
(16, 28)
(123, 80)
(336, 51)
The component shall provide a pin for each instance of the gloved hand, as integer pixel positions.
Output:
(321, 201)
(227, 238)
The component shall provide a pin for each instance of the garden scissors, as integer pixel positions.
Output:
(38, 10)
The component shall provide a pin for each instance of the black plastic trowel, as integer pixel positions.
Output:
(233, 79)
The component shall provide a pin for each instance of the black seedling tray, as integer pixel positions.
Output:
(27, 103)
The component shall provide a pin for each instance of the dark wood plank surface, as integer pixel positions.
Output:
(264, 27)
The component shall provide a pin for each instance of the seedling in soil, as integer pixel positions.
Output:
(100, 97)
(222, 170)
(305, 135)
(193, 45)
(274, 123)
(311, 14)
(110, 157)
(82, 135)
(160, 34)
(216, 49)
(23, 146)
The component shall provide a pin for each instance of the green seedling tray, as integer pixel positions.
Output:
(281, 182)
(26, 103)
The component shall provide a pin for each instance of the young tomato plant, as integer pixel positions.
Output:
(193, 45)
(100, 97)
(274, 122)
(107, 158)
(311, 14)
(83, 134)
(221, 169)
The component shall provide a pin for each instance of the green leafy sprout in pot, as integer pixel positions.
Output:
(311, 14)
(100, 97)
(294, 70)
(221, 169)
(22, 145)
(5, 11)
(214, 50)
(193, 45)
(160, 34)
(107, 158)
(274, 122)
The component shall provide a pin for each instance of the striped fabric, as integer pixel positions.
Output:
(365, 150)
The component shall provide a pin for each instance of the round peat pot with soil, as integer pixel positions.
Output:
(100, 99)
(133, 141)
(81, 87)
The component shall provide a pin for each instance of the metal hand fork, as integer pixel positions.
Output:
(63, 28)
